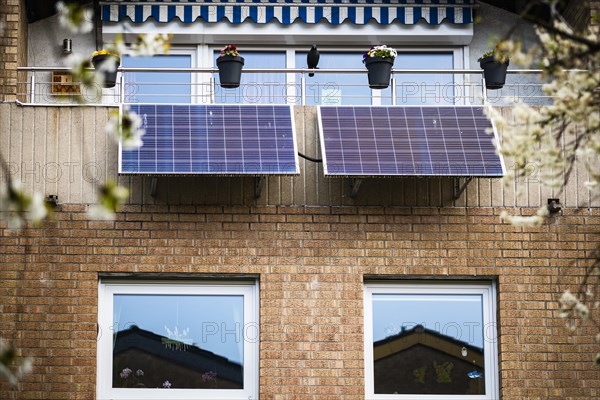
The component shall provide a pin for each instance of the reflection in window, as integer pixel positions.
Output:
(428, 344)
(199, 339)
(178, 341)
(335, 89)
(256, 88)
(413, 89)
(158, 87)
(430, 340)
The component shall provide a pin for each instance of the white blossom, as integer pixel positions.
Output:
(112, 196)
(126, 127)
(74, 17)
(531, 220)
(150, 44)
(16, 206)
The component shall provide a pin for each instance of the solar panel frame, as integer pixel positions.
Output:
(407, 140)
(210, 152)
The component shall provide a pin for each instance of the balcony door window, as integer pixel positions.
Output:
(256, 88)
(159, 87)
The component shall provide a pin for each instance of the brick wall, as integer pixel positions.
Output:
(13, 47)
(311, 262)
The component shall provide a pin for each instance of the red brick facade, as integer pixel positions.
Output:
(311, 263)
(13, 48)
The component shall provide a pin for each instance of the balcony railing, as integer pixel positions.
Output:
(284, 86)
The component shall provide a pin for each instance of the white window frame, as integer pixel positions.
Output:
(458, 61)
(179, 51)
(488, 292)
(458, 58)
(106, 291)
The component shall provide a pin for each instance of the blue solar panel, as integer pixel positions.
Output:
(213, 140)
(408, 141)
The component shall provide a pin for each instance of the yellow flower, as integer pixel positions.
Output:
(105, 52)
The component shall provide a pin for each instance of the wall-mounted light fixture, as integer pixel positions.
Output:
(554, 206)
(67, 46)
(52, 200)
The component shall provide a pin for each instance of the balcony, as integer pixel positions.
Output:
(56, 146)
(51, 86)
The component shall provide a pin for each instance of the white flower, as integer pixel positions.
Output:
(167, 385)
(532, 220)
(17, 206)
(111, 196)
(568, 298)
(582, 310)
(126, 128)
(151, 43)
(74, 17)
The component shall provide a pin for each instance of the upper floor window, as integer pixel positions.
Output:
(341, 88)
(159, 87)
(256, 88)
(177, 340)
(336, 88)
(430, 341)
(426, 88)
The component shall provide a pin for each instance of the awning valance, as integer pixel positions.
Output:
(286, 12)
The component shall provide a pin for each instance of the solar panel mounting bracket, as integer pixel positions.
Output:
(153, 186)
(259, 183)
(458, 189)
(354, 186)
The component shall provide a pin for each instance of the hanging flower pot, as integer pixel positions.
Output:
(380, 72)
(106, 63)
(494, 72)
(379, 61)
(230, 66)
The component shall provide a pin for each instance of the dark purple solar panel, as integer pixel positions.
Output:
(411, 141)
(213, 140)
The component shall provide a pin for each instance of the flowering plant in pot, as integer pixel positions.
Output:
(494, 64)
(379, 61)
(107, 62)
(230, 65)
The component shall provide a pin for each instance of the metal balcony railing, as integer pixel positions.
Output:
(51, 86)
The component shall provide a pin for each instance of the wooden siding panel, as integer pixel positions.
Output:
(40, 116)
(66, 151)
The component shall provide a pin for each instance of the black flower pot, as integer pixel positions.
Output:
(380, 71)
(230, 71)
(109, 71)
(494, 72)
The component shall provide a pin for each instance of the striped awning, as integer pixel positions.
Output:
(288, 11)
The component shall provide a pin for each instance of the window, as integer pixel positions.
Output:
(418, 89)
(159, 87)
(256, 88)
(346, 88)
(430, 341)
(184, 340)
(337, 89)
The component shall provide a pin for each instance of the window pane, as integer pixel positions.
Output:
(256, 88)
(337, 88)
(424, 88)
(179, 341)
(158, 87)
(428, 344)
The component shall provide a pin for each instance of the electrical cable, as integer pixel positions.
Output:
(317, 160)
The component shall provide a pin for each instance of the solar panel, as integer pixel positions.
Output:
(364, 141)
(213, 140)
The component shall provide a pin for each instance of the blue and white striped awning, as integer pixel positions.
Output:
(288, 11)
